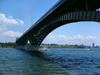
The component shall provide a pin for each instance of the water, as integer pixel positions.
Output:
(57, 61)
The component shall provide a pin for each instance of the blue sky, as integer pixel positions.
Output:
(16, 16)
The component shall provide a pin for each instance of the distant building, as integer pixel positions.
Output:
(93, 44)
(82, 45)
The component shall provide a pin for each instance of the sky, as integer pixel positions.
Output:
(16, 17)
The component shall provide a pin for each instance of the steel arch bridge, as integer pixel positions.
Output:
(63, 12)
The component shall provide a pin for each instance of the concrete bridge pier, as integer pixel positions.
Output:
(30, 47)
(35, 48)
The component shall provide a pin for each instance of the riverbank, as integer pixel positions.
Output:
(7, 45)
(67, 47)
(12, 45)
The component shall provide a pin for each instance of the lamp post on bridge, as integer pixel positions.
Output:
(32, 20)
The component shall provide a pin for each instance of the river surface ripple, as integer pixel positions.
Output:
(56, 61)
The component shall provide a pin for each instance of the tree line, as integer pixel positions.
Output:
(7, 45)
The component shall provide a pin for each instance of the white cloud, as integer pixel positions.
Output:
(77, 37)
(12, 34)
(20, 22)
(61, 39)
(9, 21)
(91, 37)
(4, 21)
(10, 16)
(0, 29)
(71, 38)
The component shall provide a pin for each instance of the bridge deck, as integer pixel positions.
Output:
(58, 15)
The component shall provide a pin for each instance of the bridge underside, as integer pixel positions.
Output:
(37, 36)
(70, 11)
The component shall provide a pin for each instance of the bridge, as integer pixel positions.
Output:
(63, 12)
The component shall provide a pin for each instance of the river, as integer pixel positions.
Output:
(56, 61)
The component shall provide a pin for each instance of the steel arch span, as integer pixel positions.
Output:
(64, 12)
